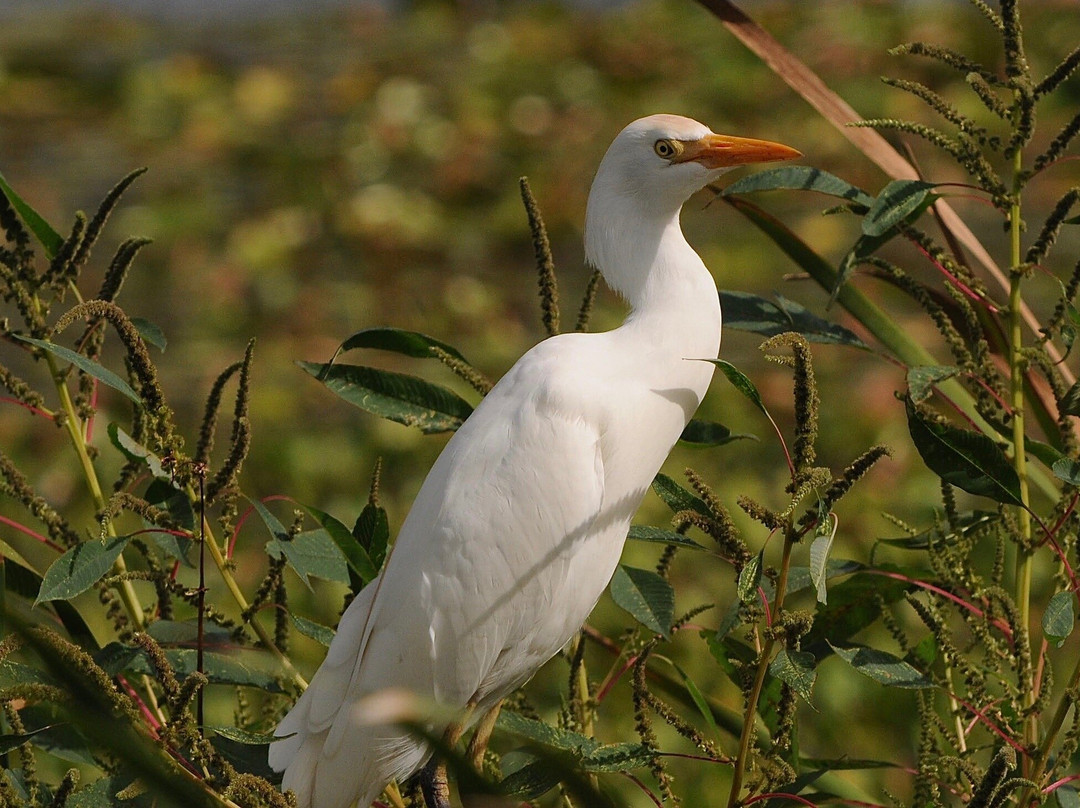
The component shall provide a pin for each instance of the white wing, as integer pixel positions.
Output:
(495, 567)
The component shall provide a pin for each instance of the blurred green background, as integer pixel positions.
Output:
(312, 173)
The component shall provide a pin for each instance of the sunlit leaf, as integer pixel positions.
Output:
(372, 531)
(1070, 402)
(646, 596)
(9, 743)
(709, 433)
(49, 238)
(164, 494)
(89, 366)
(800, 178)
(309, 628)
(922, 378)
(1067, 797)
(819, 558)
(864, 247)
(80, 568)
(1059, 619)
(795, 668)
(244, 736)
(1067, 469)
(133, 450)
(394, 396)
(750, 578)
(661, 536)
(969, 460)
(741, 382)
(678, 498)
(312, 553)
(883, 667)
(897, 201)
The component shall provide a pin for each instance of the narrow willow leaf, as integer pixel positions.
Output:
(758, 315)
(1070, 402)
(394, 396)
(897, 201)
(800, 178)
(151, 333)
(678, 498)
(133, 450)
(531, 781)
(9, 743)
(244, 736)
(864, 247)
(698, 698)
(49, 238)
(968, 460)
(323, 635)
(922, 379)
(646, 596)
(1059, 618)
(409, 343)
(95, 369)
(1067, 469)
(355, 555)
(80, 568)
(795, 668)
(9, 553)
(661, 536)
(883, 667)
(750, 578)
(248, 668)
(819, 557)
(710, 433)
(741, 382)
(312, 553)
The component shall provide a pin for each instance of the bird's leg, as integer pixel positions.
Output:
(479, 741)
(434, 782)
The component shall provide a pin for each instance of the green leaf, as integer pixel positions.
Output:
(355, 555)
(531, 781)
(186, 632)
(409, 343)
(854, 604)
(162, 493)
(589, 753)
(741, 381)
(795, 668)
(49, 238)
(800, 178)
(750, 578)
(646, 596)
(922, 378)
(151, 333)
(753, 313)
(883, 667)
(1067, 796)
(661, 536)
(247, 668)
(1067, 469)
(95, 369)
(372, 531)
(312, 554)
(1070, 402)
(394, 396)
(80, 568)
(698, 698)
(9, 743)
(244, 736)
(709, 433)
(864, 247)
(897, 202)
(819, 557)
(133, 450)
(1059, 618)
(309, 628)
(969, 460)
(678, 498)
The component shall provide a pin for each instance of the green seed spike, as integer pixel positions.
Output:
(545, 265)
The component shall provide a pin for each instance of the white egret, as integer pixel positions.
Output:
(519, 526)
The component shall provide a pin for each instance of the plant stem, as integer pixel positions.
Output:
(1024, 552)
(764, 659)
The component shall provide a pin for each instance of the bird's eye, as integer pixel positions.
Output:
(667, 148)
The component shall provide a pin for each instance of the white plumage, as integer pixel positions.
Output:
(519, 525)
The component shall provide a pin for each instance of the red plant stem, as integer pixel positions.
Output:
(945, 594)
(779, 795)
(991, 725)
(31, 533)
(93, 409)
(151, 720)
(1058, 784)
(655, 800)
(955, 281)
(244, 517)
(30, 407)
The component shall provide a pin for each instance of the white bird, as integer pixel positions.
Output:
(519, 526)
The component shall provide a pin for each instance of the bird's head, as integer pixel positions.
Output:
(663, 159)
(650, 169)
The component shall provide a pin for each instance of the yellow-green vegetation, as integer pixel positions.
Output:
(177, 494)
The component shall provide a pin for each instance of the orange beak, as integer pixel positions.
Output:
(723, 151)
